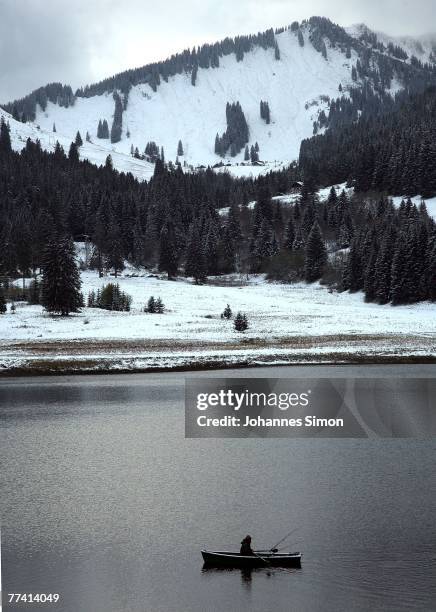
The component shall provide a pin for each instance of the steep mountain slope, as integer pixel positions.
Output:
(94, 153)
(178, 111)
(298, 71)
(422, 47)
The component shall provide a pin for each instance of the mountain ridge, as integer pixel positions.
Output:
(300, 71)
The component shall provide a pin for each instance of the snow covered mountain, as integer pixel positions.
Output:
(297, 71)
(93, 152)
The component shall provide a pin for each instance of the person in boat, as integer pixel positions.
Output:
(246, 546)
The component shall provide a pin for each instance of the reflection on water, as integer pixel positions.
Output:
(108, 504)
(248, 572)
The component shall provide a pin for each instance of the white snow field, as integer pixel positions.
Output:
(288, 323)
(95, 153)
(293, 87)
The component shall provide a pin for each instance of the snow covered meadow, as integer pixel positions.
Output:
(288, 323)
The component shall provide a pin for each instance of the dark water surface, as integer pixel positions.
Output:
(105, 502)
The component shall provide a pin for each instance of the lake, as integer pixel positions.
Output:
(104, 501)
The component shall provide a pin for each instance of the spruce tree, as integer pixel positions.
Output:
(315, 255)
(151, 305)
(241, 322)
(276, 51)
(118, 119)
(114, 247)
(430, 269)
(73, 154)
(353, 273)
(61, 278)
(5, 138)
(195, 264)
(180, 152)
(3, 307)
(227, 313)
(168, 257)
(78, 141)
(300, 38)
(290, 235)
(399, 282)
(159, 305)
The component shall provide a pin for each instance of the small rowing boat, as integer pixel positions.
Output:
(258, 559)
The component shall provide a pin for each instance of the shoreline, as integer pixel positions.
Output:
(19, 359)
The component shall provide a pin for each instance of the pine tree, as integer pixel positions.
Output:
(114, 247)
(240, 323)
(290, 235)
(138, 244)
(353, 272)
(151, 305)
(168, 257)
(227, 313)
(316, 255)
(73, 154)
(5, 138)
(383, 268)
(246, 154)
(88, 137)
(160, 308)
(54, 127)
(300, 38)
(180, 152)
(212, 249)
(276, 51)
(3, 307)
(105, 129)
(253, 155)
(78, 141)
(118, 119)
(399, 284)
(298, 244)
(61, 278)
(195, 264)
(228, 252)
(430, 269)
(194, 75)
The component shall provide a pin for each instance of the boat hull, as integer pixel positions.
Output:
(229, 559)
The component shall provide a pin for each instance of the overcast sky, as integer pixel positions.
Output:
(82, 41)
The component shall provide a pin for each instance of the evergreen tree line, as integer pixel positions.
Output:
(117, 124)
(53, 194)
(24, 109)
(392, 151)
(265, 112)
(392, 256)
(204, 56)
(103, 129)
(173, 223)
(237, 133)
(252, 153)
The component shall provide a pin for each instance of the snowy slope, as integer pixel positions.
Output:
(93, 152)
(422, 47)
(292, 86)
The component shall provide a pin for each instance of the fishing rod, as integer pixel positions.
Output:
(284, 538)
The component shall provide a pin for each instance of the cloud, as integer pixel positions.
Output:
(82, 41)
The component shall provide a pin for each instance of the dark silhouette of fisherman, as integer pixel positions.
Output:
(246, 546)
